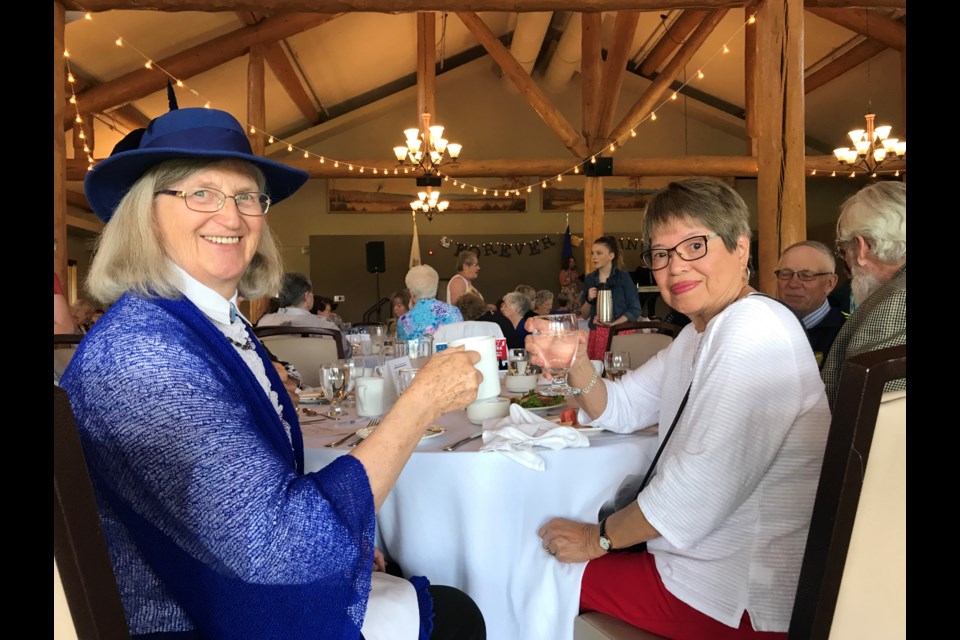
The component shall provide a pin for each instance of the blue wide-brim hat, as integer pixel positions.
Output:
(182, 133)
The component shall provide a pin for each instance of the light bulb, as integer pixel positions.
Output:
(78, 119)
(726, 49)
(87, 16)
(653, 115)
(454, 150)
(118, 42)
(73, 99)
(699, 74)
(559, 178)
(289, 147)
(206, 105)
(306, 155)
(814, 172)
(180, 83)
(70, 77)
(674, 96)
(148, 64)
(253, 129)
(66, 53)
(270, 141)
(751, 19)
(633, 133)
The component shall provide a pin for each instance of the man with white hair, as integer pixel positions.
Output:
(805, 277)
(872, 239)
(427, 313)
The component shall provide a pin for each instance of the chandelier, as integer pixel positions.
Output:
(873, 148)
(426, 148)
(429, 204)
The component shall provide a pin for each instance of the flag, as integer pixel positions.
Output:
(415, 245)
(567, 244)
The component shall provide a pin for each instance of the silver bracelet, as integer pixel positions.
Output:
(593, 382)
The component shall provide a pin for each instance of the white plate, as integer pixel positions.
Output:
(312, 396)
(544, 410)
(432, 431)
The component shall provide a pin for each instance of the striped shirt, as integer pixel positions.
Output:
(734, 488)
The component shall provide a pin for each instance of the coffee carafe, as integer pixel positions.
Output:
(604, 303)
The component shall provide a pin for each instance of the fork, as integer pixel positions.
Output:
(337, 443)
(370, 425)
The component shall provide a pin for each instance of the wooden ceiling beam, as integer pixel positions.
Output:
(77, 199)
(591, 76)
(867, 23)
(853, 58)
(283, 70)
(142, 82)
(528, 88)
(426, 64)
(126, 116)
(662, 82)
(670, 40)
(410, 6)
(614, 68)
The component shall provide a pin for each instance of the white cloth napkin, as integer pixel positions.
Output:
(516, 435)
(392, 610)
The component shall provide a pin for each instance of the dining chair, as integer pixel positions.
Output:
(466, 329)
(79, 547)
(599, 626)
(853, 577)
(64, 346)
(641, 339)
(306, 348)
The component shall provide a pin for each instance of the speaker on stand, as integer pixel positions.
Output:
(377, 263)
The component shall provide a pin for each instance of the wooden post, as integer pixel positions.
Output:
(591, 68)
(592, 217)
(903, 91)
(59, 150)
(749, 77)
(781, 192)
(257, 117)
(426, 64)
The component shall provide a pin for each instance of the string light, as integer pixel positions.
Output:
(752, 19)
(118, 42)
(653, 115)
(87, 16)
(700, 75)
(148, 64)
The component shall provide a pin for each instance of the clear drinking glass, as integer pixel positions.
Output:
(405, 377)
(377, 335)
(557, 337)
(336, 381)
(518, 362)
(617, 363)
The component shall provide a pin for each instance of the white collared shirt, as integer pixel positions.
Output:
(814, 318)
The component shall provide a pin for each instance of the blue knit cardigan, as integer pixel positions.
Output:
(213, 528)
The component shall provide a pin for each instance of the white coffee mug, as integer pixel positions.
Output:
(489, 366)
(370, 396)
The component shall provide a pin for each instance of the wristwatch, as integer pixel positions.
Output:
(605, 543)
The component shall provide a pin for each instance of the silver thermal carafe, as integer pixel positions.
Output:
(604, 303)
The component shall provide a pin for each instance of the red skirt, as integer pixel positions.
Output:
(597, 342)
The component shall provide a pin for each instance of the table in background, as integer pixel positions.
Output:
(469, 519)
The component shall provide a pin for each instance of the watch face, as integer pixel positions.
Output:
(604, 543)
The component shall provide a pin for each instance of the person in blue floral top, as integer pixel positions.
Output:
(427, 313)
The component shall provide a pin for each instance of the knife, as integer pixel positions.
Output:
(459, 443)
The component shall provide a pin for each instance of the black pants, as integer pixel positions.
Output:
(455, 615)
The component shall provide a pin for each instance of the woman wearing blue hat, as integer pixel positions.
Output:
(193, 446)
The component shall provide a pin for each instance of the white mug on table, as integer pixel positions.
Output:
(370, 392)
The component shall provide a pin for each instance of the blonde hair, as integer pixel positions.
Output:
(130, 254)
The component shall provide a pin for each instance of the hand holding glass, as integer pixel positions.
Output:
(557, 338)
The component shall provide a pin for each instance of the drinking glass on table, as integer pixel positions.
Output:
(377, 334)
(355, 370)
(617, 363)
(405, 377)
(556, 337)
(336, 381)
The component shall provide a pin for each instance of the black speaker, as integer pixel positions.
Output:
(376, 258)
(602, 167)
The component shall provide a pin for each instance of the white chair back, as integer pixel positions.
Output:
(872, 602)
(306, 353)
(641, 346)
(466, 329)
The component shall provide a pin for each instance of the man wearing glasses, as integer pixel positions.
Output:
(805, 277)
(872, 240)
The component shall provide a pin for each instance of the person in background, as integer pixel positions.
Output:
(806, 275)
(399, 305)
(543, 302)
(427, 313)
(62, 317)
(468, 268)
(296, 300)
(472, 307)
(192, 443)
(326, 308)
(531, 295)
(872, 240)
(82, 312)
(570, 282)
(511, 317)
(563, 303)
(626, 305)
(725, 517)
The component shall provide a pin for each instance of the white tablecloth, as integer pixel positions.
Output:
(470, 519)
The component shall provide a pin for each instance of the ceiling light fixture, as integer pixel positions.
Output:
(426, 148)
(429, 203)
(872, 148)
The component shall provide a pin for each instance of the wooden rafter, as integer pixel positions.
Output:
(276, 57)
(93, 226)
(662, 83)
(426, 64)
(670, 40)
(867, 23)
(528, 88)
(591, 70)
(853, 58)
(614, 69)
(410, 6)
(126, 116)
(142, 82)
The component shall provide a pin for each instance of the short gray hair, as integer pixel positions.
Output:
(543, 296)
(877, 212)
(464, 257)
(518, 301)
(292, 289)
(708, 201)
(819, 246)
(422, 281)
(130, 256)
(528, 291)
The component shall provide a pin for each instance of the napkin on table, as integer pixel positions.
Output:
(516, 436)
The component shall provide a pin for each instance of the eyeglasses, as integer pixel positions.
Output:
(805, 276)
(689, 250)
(251, 203)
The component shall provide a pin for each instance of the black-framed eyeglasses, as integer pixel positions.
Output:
(207, 200)
(805, 276)
(689, 250)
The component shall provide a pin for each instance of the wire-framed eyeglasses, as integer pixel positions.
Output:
(804, 275)
(207, 200)
(689, 250)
